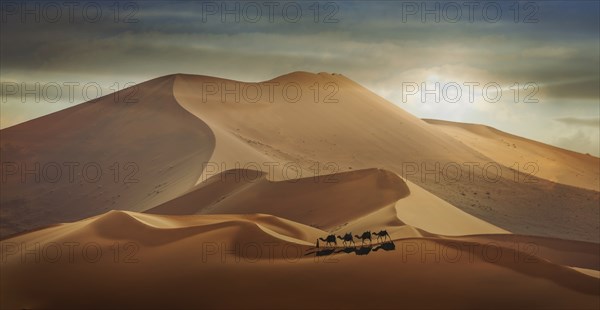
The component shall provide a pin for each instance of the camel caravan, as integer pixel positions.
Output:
(348, 238)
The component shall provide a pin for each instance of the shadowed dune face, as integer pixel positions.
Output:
(558, 251)
(155, 144)
(322, 202)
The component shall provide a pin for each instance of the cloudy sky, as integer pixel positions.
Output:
(528, 68)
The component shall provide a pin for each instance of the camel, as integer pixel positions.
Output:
(347, 239)
(382, 234)
(366, 235)
(329, 240)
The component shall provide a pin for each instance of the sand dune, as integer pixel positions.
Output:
(342, 127)
(361, 131)
(553, 163)
(563, 252)
(356, 200)
(306, 131)
(235, 186)
(217, 254)
(154, 163)
(319, 202)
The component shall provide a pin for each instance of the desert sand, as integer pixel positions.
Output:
(558, 165)
(233, 196)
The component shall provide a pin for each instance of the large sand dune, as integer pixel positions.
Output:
(234, 189)
(341, 127)
(362, 130)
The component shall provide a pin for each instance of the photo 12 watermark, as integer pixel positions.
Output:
(526, 12)
(68, 92)
(268, 92)
(269, 11)
(69, 252)
(249, 172)
(469, 92)
(469, 172)
(69, 12)
(69, 172)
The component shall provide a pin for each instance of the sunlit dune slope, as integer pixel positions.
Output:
(552, 163)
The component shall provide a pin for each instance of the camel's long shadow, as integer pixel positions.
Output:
(362, 250)
(386, 246)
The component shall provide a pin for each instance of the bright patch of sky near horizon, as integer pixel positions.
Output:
(435, 59)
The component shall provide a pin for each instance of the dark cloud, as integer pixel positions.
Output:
(576, 121)
(580, 140)
(577, 89)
